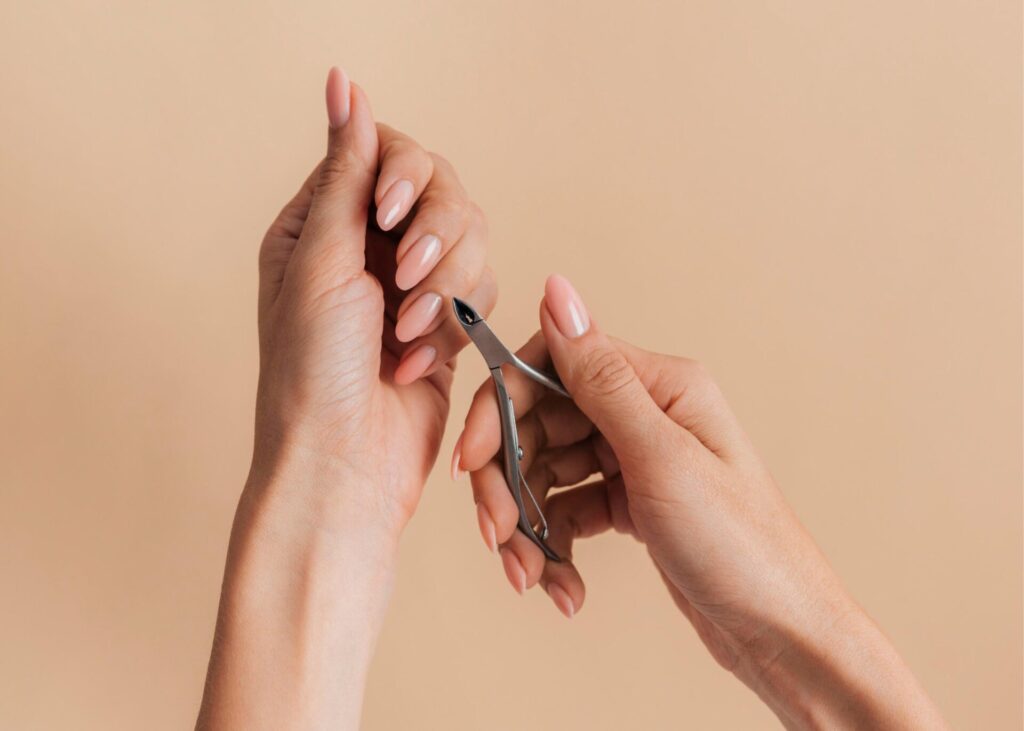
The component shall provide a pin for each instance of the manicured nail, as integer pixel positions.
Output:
(395, 204)
(338, 97)
(417, 317)
(483, 518)
(561, 599)
(457, 464)
(415, 364)
(418, 261)
(566, 307)
(514, 570)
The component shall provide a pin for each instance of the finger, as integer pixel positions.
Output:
(443, 334)
(497, 514)
(553, 423)
(556, 423)
(556, 468)
(279, 242)
(602, 382)
(481, 435)
(333, 240)
(566, 466)
(405, 170)
(442, 216)
(581, 512)
(491, 491)
(457, 275)
(523, 562)
(562, 466)
(442, 343)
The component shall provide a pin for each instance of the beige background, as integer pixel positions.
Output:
(822, 201)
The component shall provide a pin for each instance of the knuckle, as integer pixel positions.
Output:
(605, 371)
(476, 212)
(461, 279)
(454, 208)
(392, 148)
(535, 433)
(697, 375)
(407, 151)
(489, 285)
(448, 208)
(341, 164)
(440, 161)
(477, 217)
(561, 520)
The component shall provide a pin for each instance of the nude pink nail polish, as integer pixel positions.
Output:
(418, 317)
(338, 97)
(487, 531)
(566, 307)
(395, 204)
(415, 364)
(418, 261)
(456, 461)
(514, 570)
(562, 600)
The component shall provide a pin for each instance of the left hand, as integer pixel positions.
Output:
(357, 346)
(356, 356)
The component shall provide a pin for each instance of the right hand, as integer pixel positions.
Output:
(679, 474)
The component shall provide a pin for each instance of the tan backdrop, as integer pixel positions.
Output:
(822, 201)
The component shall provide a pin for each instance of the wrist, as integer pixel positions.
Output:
(835, 669)
(314, 491)
(309, 528)
(306, 585)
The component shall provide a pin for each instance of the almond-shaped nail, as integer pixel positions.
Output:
(395, 204)
(417, 317)
(338, 97)
(457, 461)
(562, 600)
(487, 531)
(415, 364)
(418, 261)
(514, 570)
(566, 307)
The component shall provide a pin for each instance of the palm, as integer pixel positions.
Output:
(349, 353)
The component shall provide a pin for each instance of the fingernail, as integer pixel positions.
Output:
(418, 316)
(415, 364)
(338, 97)
(395, 204)
(418, 261)
(566, 307)
(514, 570)
(561, 599)
(456, 464)
(483, 518)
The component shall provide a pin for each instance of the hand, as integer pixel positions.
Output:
(356, 348)
(679, 474)
(356, 359)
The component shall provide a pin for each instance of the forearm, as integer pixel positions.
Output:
(838, 670)
(305, 588)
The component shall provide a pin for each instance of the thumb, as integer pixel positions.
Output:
(602, 382)
(335, 230)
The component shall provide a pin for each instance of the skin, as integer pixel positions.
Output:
(677, 473)
(346, 429)
(355, 376)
